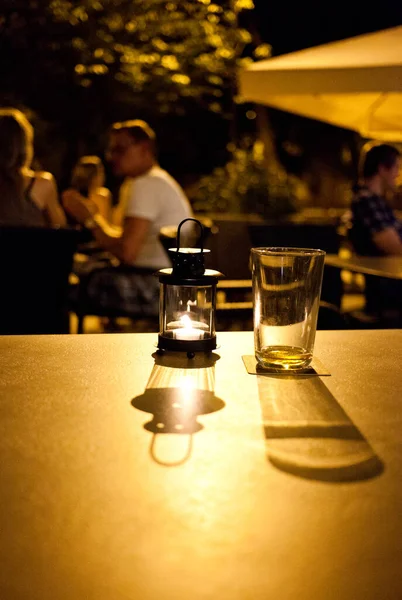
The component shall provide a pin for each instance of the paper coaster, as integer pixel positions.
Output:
(253, 368)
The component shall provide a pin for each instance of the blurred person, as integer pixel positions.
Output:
(149, 199)
(88, 178)
(27, 197)
(375, 229)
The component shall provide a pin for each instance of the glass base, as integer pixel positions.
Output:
(283, 357)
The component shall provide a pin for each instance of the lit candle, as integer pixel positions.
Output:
(187, 331)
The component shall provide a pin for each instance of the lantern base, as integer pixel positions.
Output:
(189, 346)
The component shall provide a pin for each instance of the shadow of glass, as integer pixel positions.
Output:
(176, 396)
(308, 434)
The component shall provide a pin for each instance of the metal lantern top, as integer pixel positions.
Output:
(188, 263)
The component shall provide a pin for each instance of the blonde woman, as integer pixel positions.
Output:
(27, 198)
(88, 178)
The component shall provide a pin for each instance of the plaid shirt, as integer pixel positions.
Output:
(105, 288)
(124, 293)
(370, 214)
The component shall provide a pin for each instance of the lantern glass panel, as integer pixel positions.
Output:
(188, 312)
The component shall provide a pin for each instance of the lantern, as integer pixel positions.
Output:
(187, 300)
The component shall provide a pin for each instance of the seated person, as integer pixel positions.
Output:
(151, 199)
(88, 178)
(375, 230)
(27, 198)
(374, 227)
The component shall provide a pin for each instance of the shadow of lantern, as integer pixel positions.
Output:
(179, 390)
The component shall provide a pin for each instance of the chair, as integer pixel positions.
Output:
(305, 235)
(382, 296)
(35, 268)
(230, 247)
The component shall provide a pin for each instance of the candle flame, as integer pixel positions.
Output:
(186, 321)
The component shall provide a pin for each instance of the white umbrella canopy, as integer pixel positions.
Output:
(355, 83)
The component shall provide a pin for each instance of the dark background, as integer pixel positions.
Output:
(196, 143)
(290, 26)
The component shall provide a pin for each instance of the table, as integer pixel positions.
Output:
(382, 266)
(89, 510)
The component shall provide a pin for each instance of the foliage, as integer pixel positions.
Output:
(171, 53)
(82, 64)
(245, 185)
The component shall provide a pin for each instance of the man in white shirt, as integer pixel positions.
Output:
(150, 199)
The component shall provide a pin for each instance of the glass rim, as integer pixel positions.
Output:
(287, 251)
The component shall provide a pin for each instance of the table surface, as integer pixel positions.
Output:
(263, 486)
(382, 266)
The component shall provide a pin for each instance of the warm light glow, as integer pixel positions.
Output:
(187, 332)
(170, 62)
(185, 319)
(190, 304)
(188, 382)
(182, 79)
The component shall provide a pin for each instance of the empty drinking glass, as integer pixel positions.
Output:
(286, 295)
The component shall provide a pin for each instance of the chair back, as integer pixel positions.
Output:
(298, 235)
(34, 279)
(323, 236)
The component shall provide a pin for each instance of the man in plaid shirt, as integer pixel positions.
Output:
(375, 230)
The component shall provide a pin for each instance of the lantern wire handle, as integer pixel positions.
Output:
(175, 463)
(201, 237)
